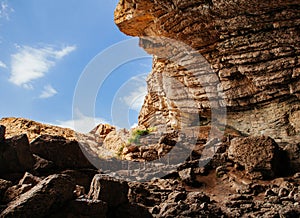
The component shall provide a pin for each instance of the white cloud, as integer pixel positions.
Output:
(3, 65)
(83, 124)
(31, 63)
(48, 92)
(5, 10)
(135, 99)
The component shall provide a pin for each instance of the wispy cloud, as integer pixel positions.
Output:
(29, 63)
(5, 10)
(83, 124)
(48, 92)
(3, 65)
(135, 99)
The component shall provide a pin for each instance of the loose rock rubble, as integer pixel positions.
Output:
(36, 183)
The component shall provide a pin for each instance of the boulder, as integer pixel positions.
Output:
(15, 155)
(110, 190)
(103, 130)
(187, 175)
(2, 133)
(259, 155)
(47, 196)
(62, 152)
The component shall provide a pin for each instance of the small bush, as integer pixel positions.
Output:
(136, 135)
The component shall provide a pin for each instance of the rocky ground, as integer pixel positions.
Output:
(49, 176)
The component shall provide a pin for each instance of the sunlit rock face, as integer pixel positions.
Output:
(251, 46)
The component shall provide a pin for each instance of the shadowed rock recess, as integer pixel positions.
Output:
(170, 165)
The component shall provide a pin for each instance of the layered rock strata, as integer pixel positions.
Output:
(251, 46)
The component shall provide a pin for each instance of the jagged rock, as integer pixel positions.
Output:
(130, 149)
(187, 175)
(16, 126)
(29, 179)
(43, 166)
(43, 199)
(116, 140)
(61, 151)
(4, 185)
(259, 156)
(177, 196)
(16, 155)
(169, 138)
(150, 155)
(110, 190)
(2, 133)
(103, 130)
(13, 192)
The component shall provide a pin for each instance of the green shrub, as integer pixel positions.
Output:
(136, 135)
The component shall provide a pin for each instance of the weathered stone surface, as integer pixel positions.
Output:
(4, 185)
(29, 179)
(43, 166)
(103, 130)
(47, 196)
(17, 126)
(13, 192)
(187, 175)
(2, 133)
(251, 46)
(61, 151)
(15, 155)
(110, 190)
(258, 155)
(116, 140)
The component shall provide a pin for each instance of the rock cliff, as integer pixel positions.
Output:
(252, 46)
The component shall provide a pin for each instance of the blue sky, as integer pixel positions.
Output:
(46, 46)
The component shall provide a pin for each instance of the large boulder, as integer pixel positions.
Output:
(47, 196)
(62, 152)
(259, 155)
(15, 155)
(110, 190)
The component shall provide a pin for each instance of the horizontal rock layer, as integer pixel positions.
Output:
(252, 47)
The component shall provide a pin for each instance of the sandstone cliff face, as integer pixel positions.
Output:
(252, 46)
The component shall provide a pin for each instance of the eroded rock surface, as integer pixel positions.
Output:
(48, 196)
(251, 46)
(260, 156)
